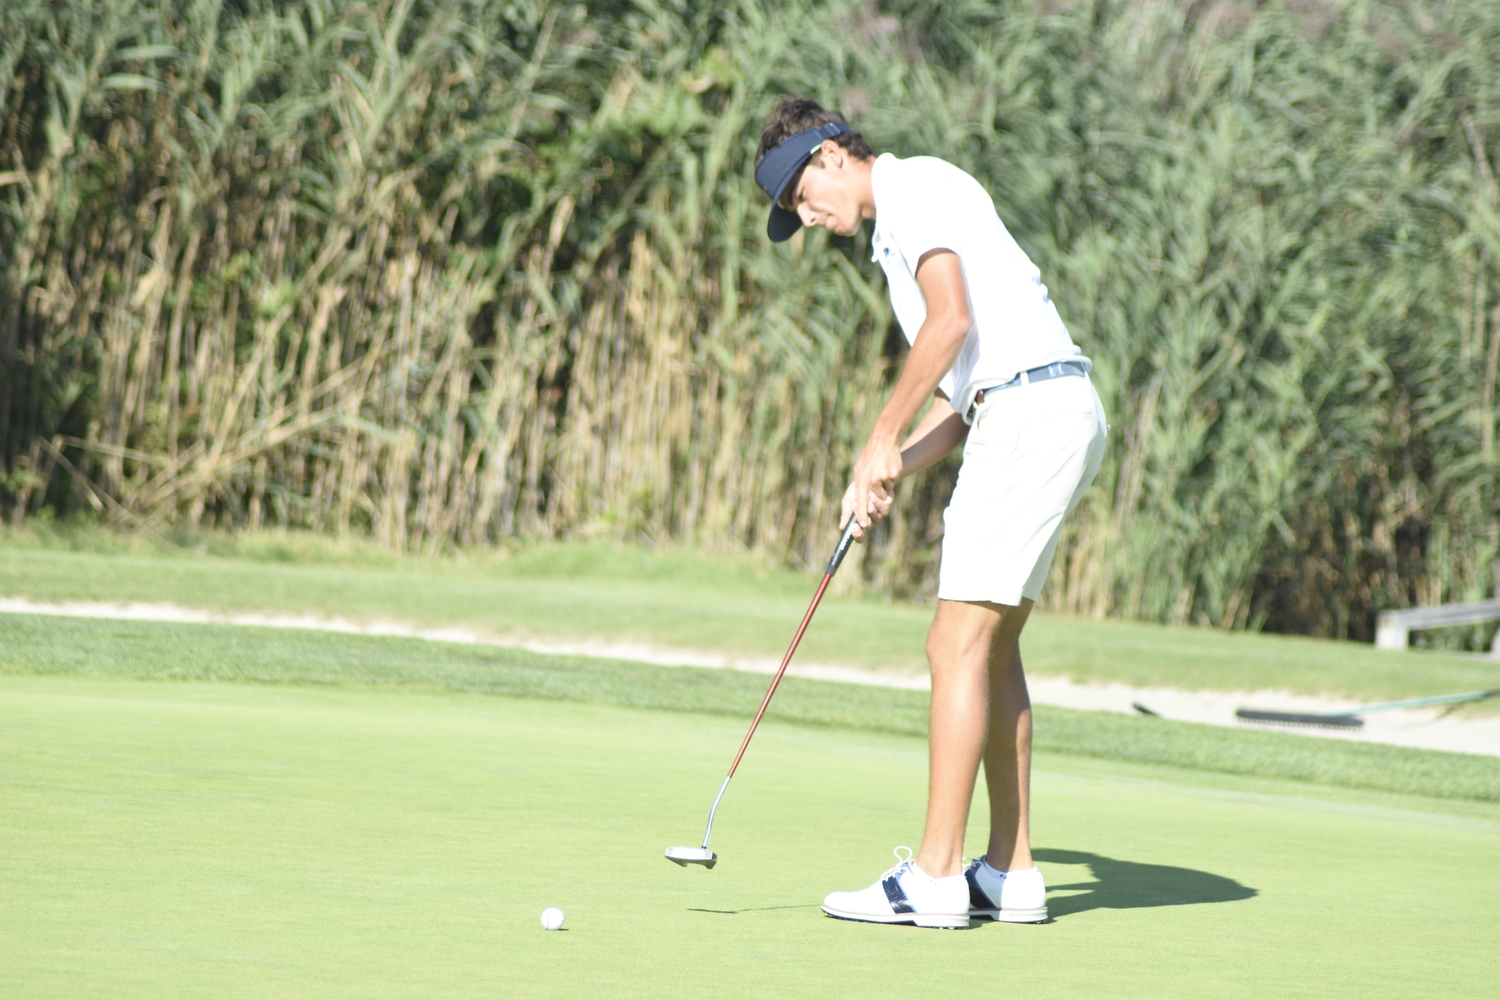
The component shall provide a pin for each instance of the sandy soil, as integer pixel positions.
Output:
(1433, 728)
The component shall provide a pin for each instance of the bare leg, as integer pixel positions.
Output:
(962, 647)
(1007, 754)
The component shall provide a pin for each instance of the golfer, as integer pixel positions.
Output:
(1013, 389)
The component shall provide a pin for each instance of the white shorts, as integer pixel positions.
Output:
(1032, 451)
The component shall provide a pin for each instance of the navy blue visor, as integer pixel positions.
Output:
(780, 166)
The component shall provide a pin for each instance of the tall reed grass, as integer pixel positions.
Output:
(456, 271)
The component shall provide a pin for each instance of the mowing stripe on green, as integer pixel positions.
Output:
(43, 645)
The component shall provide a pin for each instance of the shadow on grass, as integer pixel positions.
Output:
(1124, 885)
(807, 906)
(754, 909)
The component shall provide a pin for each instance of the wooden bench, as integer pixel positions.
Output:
(1393, 628)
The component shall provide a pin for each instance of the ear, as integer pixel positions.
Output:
(833, 154)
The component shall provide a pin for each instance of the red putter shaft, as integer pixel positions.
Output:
(781, 670)
(703, 856)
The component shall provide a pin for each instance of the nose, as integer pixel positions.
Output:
(806, 215)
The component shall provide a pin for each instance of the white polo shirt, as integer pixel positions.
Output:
(923, 203)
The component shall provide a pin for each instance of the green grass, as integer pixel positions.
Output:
(221, 811)
(32, 645)
(597, 560)
(679, 599)
(224, 840)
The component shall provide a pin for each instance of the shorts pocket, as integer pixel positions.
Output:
(995, 431)
(1061, 396)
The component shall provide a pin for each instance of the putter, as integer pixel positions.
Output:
(702, 855)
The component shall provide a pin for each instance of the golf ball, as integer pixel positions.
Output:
(552, 918)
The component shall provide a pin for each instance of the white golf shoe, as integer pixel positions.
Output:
(905, 895)
(1019, 897)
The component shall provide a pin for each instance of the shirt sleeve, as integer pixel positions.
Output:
(930, 218)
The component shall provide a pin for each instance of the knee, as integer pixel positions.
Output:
(935, 648)
(1005, 656)
(962, 634)
(947, 650)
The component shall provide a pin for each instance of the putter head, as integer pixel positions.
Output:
(692, 856)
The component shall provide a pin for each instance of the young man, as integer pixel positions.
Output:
(1010, 386)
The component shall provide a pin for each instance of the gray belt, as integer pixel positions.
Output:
(1056, 369)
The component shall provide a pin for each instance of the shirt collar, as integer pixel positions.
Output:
(879, 240)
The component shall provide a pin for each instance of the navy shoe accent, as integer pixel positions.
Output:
(899, 902)
(977, 899)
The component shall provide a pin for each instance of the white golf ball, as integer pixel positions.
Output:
(552, 918)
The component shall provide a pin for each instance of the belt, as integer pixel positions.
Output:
(1056, 369)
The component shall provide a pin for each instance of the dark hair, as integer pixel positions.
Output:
(798, 114)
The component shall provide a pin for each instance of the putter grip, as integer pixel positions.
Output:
(843, 549)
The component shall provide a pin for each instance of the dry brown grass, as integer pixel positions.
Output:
(455, 272)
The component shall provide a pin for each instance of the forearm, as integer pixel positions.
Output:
(938, 433)
(933, 351)
(930, 358)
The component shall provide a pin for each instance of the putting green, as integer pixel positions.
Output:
(191, 839)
